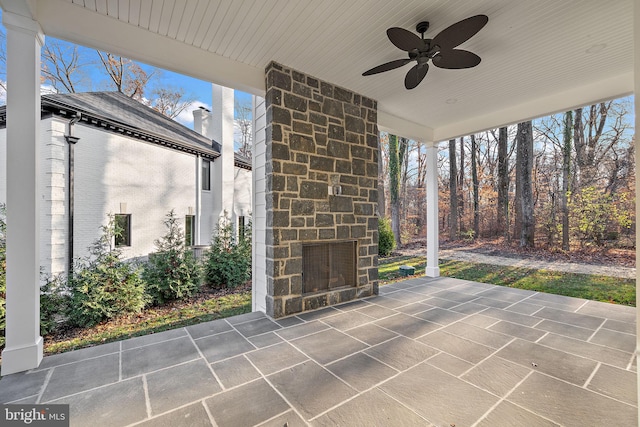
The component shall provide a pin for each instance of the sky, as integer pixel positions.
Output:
(198, 90)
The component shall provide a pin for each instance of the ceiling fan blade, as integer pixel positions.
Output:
(415, 75)
(455, 59)
(459, 32)
(387, 66)
(404, 39)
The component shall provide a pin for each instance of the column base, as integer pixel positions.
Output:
(432, 272)
(21, 359)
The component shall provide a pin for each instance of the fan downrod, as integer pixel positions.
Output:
(422, 27)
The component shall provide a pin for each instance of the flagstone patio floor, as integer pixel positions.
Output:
(425, 352)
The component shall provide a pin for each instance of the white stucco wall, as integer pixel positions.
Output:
(112, 171)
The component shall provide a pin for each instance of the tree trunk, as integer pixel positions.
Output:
(394, 184)
(566, 170)
(476, 187)
(461, 186)
(524, 168)
(503, 183)
(579, 144)
(453, 187)
(403, 159)
(381, 200)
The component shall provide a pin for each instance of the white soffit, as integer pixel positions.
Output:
(537, 56)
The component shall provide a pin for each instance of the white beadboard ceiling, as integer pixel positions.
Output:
(537, 55)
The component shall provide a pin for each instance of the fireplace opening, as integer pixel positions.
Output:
(329, 265)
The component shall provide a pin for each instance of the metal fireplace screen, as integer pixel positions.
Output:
(327, 266)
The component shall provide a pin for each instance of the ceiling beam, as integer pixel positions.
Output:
(402, 127)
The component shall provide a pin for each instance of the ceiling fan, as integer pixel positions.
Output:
(441, 50)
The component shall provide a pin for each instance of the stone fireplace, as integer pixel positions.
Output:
(329, 265)
(321, 193)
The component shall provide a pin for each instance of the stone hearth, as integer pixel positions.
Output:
(321, 179)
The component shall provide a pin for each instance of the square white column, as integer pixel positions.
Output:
(23, 349)
(432, 269)
(636, 39)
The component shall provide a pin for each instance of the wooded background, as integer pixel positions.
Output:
(564, 181)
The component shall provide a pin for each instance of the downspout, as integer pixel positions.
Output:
(71, 140)
(198, 212)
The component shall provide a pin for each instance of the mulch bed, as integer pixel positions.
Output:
(68, 333)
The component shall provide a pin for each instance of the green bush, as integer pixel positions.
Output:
(228, 260)
(103, 286)
(172, 272)
(386, 239)
(53, 300)
(54, 303)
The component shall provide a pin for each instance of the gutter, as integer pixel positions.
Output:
(71, 140)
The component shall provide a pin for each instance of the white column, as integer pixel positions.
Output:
(432, 269)
(23, 349)
(636, 31)
(259, 213)
(222, 167)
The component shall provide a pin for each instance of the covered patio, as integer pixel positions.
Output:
(435, 352)
(425, 351)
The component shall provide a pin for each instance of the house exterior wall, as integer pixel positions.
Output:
(54, 224)
(319, 137)
(119, 175)
(53, 205)
(116, 174)
(208, 220)
(242, 192)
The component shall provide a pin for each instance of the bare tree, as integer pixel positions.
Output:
(524, 168)
(453, 187)
(461, 186)
(61, 67)
(595, 135)
(566, 171)
(476, 187)
(503, 183)
(168, 101)
(126, 76)
(394, 186)
(381, 177)
(243, 113)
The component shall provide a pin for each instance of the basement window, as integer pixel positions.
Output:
(123, 230)
(189, 230)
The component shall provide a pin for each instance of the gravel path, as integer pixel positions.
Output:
(604, 270)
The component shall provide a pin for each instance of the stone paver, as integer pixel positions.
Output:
(431, 352)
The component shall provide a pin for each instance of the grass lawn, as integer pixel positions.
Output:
(591, 287)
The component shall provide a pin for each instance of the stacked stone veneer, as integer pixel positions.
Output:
(317, 135)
